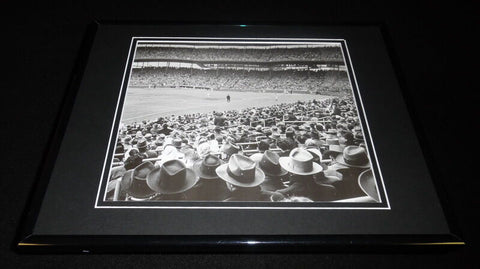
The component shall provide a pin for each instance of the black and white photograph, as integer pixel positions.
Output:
(240, 121)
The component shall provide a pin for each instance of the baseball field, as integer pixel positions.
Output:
(151, 103)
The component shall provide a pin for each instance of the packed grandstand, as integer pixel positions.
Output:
(331, 82)
(301, 151)
(259, 54)
(301, 69)
(326, 134)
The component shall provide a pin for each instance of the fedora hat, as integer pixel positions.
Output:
(134, 181)
(354, 156)
(205, 168)
(300, 162)
(142, 143)
(358, 136)
(270, 165)
(366, 181)
(241, 171)
(328, 177)
(334, 150)
(172, 177)
(230, 149)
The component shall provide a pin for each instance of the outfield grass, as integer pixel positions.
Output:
(145, 104)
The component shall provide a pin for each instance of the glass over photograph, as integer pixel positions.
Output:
(223, 121)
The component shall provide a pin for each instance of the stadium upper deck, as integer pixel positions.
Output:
(246, 54)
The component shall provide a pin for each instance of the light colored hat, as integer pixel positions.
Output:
(241, 171)
(300, 162)
(333, 150)
(168, 141)
(203, 149)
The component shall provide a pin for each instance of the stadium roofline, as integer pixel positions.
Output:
(234, 45)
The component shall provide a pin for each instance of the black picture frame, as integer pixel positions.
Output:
(63, 218)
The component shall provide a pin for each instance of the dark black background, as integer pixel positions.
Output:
(433, 48)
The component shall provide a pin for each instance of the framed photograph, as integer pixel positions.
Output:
(235, 137)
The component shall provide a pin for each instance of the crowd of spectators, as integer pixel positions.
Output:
(333, 54)
(306, 151)
(300, 81)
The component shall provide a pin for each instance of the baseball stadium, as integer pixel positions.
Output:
(240, 121)
(177, 80)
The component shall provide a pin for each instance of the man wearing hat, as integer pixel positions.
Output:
(346, 139)
(290, 138)
(228, 150)
(137, 144)
(302, 168)
(219, 119)
(139, 134)
(148, 137)
(350, 164)
(210, 187)
(263, 145)
(133, 185)
(358, 138)
(171, 180)
(132, 159)
(170, 151)
(300, 139)
(332, 152)
(367, 184)
(268, 162)
(212, 141)
(203, 148)
(314, 140)
(284, 146)
(151, 154)
(273, 140)
(161, 137)
(243, 179)
(165, 129)
(141, 146)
